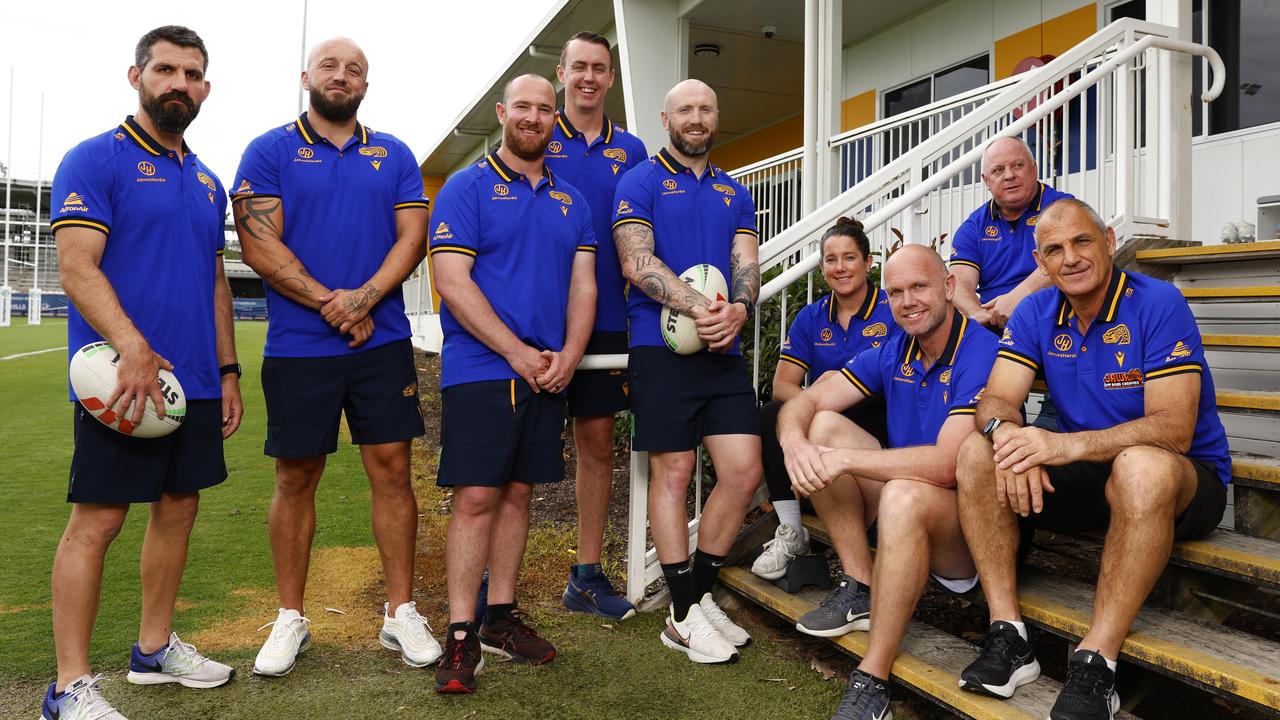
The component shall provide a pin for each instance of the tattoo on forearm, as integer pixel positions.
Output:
(649, 273)
(257, 217)
(746, 280)
(272, 275)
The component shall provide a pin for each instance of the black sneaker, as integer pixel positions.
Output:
(844, 609)
(458, 666)
(865, 698)
(1005, 663)
(1090, 690)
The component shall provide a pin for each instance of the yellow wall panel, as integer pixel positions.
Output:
(760, 144)
(858, 110)
(1052, 37)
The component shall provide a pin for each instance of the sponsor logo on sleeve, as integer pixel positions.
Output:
(1007, 337)
(73, 203)
(624, 208)
(245, 188)
(1180, 350)
(442, 232)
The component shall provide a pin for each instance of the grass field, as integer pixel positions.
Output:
(620, 670)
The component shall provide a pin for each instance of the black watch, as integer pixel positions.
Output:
(232, 368)
(748, 305)
(991, 426)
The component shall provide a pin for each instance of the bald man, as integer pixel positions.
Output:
(992, 253)
(513, 257)
(333, 217)
(673, 212)
(931, 377)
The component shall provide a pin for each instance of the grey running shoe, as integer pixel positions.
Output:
(843, 610)
(865, 698)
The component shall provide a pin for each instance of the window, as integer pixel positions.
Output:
(1244, 32)
(945, 83)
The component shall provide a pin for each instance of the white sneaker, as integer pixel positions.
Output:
(79, 701)
(696, 638)
(409, 634)
(780, 551)
(289, 638)
(721, 622)
(178, 662)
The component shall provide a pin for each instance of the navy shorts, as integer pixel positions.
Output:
(600, 393)
(497, 432)
(679, 399)
(306, 397)
(109, 467)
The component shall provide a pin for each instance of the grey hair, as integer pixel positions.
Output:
(1057, 206)
(1026, 149)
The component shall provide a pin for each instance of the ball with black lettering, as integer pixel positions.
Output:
(678, 329)
(93, 378)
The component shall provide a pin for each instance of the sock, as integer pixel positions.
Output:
(680, 581)
(462, 627)
(584, 569)
(1111, 664)
(706, 568)
(789, 514)
(1021, 626)
(496, 611)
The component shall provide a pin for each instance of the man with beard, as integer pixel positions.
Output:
(672, 212)
(140, 241)
(332, 215)
(931, 377)
(513, 256)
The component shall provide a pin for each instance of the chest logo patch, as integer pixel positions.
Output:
(1118, 335)
(373, 151)
(615, 168)
(306, 153)
(906, 370)
(119, 136)
(723, 188)
(1122, 380)
(146, 168)
(377, 164)
(565, 198)
(1062, 342)
(875, 330)
(726, 200)
(616, 154)
(669, 184)
(1119, 358)
(555, 147)
(992, 231)
(945, 377)
(825, 334)
(501, 190)
(207, 181)
(1031, 221)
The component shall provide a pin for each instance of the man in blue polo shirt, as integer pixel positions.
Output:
(931, 377)
(1142, 453)
(332, 216)
(139, 233)
(513, 255)
(992, 251)
(672, 212)
(591, 153)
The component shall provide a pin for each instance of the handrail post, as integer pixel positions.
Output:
(1123, 152)
(637, 525)
(808, 165)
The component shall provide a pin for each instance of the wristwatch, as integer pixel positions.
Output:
(232, 368)
(991, 426)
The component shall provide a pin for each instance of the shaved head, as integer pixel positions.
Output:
(685, 89)
(691, 115)
(528, 84)
(1006, 145)
(920, 258)
(919, 288)
(336, 79)
(337, 47)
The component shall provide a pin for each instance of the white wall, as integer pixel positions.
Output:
(1229, 173)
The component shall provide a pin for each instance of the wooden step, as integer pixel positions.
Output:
(1252, 560)
(1255, 471)
(929, 661)
(1257, 495)
(1246, 400)
(1211, 253)
(1242, 342)
(1252, 293)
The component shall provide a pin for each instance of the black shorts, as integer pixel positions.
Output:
(112, 468)
(600, 393)
(677, 400)
(499, 431)
(377, 390)
(1079, 502)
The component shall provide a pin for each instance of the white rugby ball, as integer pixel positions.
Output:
(678, 329)
(93, 378)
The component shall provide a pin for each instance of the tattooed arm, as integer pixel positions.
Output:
(260, 225)
(344, 308)
(646, 271)
(725, 320)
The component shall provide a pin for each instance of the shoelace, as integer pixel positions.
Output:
(188, 656)
(597, 585)
(456, 650)
(702, 630)
(834, 595)
(854, 700)
(516, 621)
(999, 644)
(1088, 677)
(417, 625)
(279, 631)
(714, 613)
(92, 706)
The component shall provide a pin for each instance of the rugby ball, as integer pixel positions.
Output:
(93, 378)
(678, 329)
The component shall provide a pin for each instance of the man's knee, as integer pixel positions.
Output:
(593, 439)
(673, 469)
(471, 501)
(96, 526)
(975, 463)
(835, 430)
(517, 494)
(1144, 481)
(298, 476)
(177, 511)
(904, 507)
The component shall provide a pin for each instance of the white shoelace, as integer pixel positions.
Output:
(416, 625)
(279, 631)
(89, 703)
(189, 658)
(715, 614)
(702, 630)
(778, 546)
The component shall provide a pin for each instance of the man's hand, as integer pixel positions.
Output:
(360, 333)
(721, 324)
(232, 405)
(343, 308)
(137, 376)
(999, 309)
(529, 364)
(1023, 492)
(1020, 449)
(559, 372)
(805, 467)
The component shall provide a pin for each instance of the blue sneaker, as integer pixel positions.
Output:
(79, 701)
(590, 591)
(482, 598)
(177, 662)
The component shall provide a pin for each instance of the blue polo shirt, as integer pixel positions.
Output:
(817, 342)
(1001, 251)
(694, 220)
(524, 240)
(919, 401)
(595, 170)
(340, 207)
(163, 220)
(1145, 331)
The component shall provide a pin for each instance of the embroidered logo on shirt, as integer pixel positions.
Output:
(1119, 358)
(1121, 380)
(992, 232)
(1007, 338)
(945, 377)
(146, 168)
(1118, 335)
(825, 334)
(501, 190)
(1031, 221)
(245, 188)
(373, 151)
(1062, 342)
(723, 188)
(1180, 350)
(875, 330)
(562, 197)
(306, 153)
(554, 147)
(443, 232)
(377, 164)
(615, 154)
(624, 208)
(207, 181)
(73, 203)
(669, 184)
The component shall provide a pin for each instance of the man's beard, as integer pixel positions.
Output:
(334, 110)
(167, 116)
(687, 148)
(527, 150)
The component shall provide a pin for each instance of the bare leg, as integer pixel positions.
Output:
(164, 556)
(467, 546)
(668, 489)
(292, 525)
(77, 581)
(919, 530)
(507, 540)
(738, 474)
(593, 482)
(849, 504)
(1147, 490)
(991, 528)
(395, 515)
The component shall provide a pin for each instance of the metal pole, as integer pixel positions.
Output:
(35, 273)
(302, 61)
(808, 165)
(8, 182)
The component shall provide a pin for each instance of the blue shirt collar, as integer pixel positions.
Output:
(959, 324)
(675, 167)
(509, 175)
(143, 140)
(864, 311)
(1034, 207)
(569, 130)
(312, 137)
(1110, 305)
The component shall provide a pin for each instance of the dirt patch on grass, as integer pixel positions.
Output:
(12, 609)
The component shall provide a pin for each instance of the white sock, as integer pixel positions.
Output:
(1111, 664)
(789, 513)
(1021, 626)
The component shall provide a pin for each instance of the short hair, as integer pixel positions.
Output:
(176, 34)
(1057, 206)
(982, 165)
(850, 228)
(588, 36)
